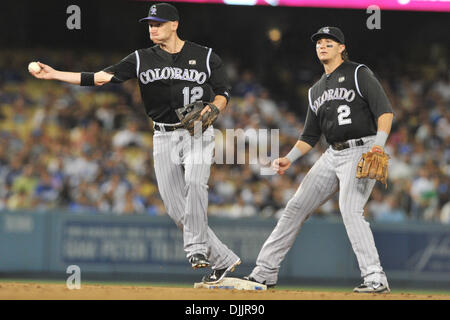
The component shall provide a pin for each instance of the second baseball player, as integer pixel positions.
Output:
(350, 108)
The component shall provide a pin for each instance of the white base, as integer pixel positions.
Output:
(232, 284)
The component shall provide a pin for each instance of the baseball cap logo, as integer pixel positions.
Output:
(162, 12)
(153, 10)
(326, 30)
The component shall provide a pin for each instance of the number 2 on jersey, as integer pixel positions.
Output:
(343, 115)
(190, 96)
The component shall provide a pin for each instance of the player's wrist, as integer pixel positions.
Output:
(380, 139)
(87, 79)
(55, 75)
(294, 154)
(376, 148)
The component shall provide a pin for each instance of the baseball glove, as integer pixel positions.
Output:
(190, 114)
(374, 165)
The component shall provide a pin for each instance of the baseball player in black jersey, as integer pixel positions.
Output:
(350, 108)
(171, 74)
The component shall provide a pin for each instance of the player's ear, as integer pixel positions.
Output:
(341, 48)
(174, 25)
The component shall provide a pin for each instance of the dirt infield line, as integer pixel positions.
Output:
(45, 291)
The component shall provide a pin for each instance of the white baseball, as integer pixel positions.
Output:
(34, 67)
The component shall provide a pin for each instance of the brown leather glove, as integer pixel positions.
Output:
(191, 113)
(374, 165)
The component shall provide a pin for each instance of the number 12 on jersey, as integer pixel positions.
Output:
(192, 95)
(343, 115)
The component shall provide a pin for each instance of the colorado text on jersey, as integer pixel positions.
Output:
(172, 73)
(333, 94)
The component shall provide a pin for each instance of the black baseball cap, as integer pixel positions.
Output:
(329, 32)
(162, 12)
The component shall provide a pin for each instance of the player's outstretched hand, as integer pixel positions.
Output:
(280, 165)
(46, 72)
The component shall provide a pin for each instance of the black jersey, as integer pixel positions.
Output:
(344, 105)
(170, 81)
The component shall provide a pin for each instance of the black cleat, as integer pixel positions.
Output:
(198, 260)
(249, 278)
(218, 274)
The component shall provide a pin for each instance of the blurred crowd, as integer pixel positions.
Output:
(82, 149)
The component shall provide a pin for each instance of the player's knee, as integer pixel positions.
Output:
(197, 184)
(352, 215)
(294, 207)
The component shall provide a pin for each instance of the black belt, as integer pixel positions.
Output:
(345, 145)
(162, 127)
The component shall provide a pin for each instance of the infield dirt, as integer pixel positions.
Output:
(45, 291)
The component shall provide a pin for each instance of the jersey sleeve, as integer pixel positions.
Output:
(218, 78)
(125, 69)
(372, 91)
(311, 132)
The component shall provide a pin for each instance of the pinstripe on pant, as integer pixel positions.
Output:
(335, 170)
(182, 167)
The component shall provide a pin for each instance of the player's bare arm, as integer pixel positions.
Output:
(102, 77)
(219, 101)
(301, 148)
(384, 128)
(48, 73)
(385, 122)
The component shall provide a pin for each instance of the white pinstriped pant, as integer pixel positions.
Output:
(335, 170)
(182, 173)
